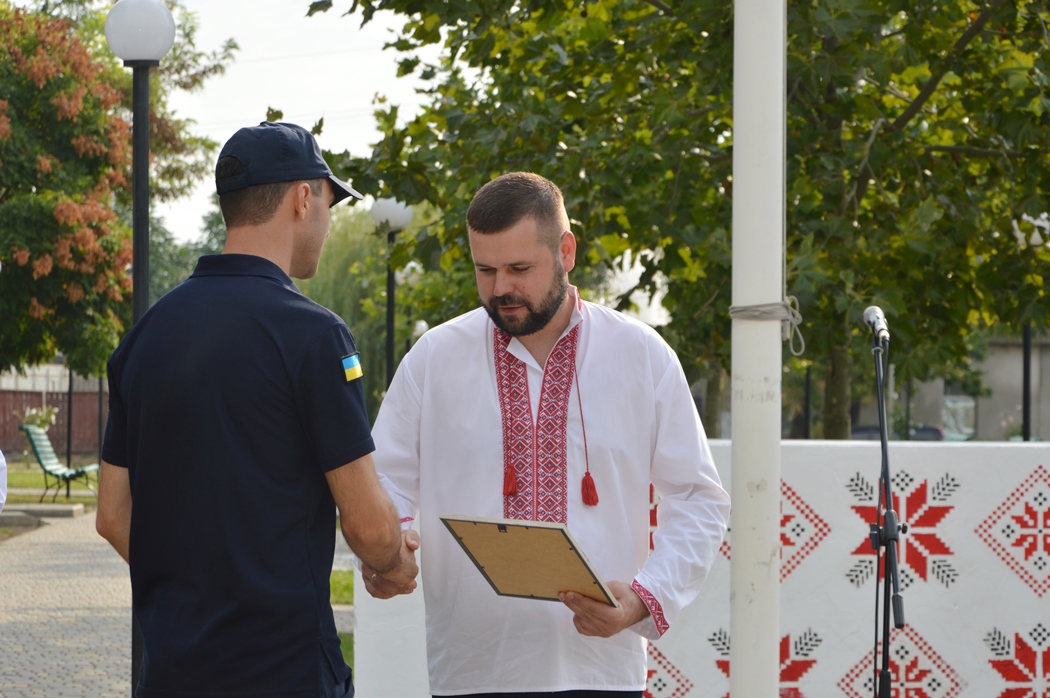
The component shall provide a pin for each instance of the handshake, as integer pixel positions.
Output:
(399, 577)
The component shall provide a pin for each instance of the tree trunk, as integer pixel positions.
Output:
(714, 398)
(837, 394)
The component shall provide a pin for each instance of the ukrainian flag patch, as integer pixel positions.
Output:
(352, 367)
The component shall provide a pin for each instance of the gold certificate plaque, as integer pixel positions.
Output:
(527, 559)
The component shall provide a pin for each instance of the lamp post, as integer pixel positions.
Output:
(395, 217)
(140, 32)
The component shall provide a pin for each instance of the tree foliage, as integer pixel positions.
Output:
(172, 261)
(351, 281)
(63, 155)
(917, 135)
(65, 171)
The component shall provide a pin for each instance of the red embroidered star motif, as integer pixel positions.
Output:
(1034, 533)
(922, 540)
(1026, 671)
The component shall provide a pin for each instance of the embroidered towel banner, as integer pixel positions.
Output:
(974, 569)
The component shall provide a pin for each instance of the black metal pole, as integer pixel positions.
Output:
(69, 425)
(1026, 389)
(140, 253)
(886, 536)
(140, 186)
(101, 429)
(390, 311)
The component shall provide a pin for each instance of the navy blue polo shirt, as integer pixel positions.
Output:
(228, 403)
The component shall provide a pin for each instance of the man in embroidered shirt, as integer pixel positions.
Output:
(541, 406)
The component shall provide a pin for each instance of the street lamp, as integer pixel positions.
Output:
(140, 32)
(395, 217)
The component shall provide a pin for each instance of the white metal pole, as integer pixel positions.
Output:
(758, 225)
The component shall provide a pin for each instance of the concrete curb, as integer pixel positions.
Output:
(55, 511)
(18, 519)
(345, 618)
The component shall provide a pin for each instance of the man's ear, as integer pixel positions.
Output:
(301, 198)
(567, 250)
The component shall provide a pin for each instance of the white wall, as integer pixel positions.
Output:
(972, 600)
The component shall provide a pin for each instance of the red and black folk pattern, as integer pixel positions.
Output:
(1019, 531)
(917, 671)
(1023, 662)
(801, 531)
(665, 681)
(795, 659)
(922, 552)
(537, 455)
(653, 604)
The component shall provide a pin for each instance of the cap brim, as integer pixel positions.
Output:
(342, 190)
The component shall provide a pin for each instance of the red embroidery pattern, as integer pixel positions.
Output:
(1025, 666)
(653, 504)
(921, 549)
(795, 659)
(916, 670)
(1019, 531)
(536, 455)
(655, 609)
(665, 681)
(801, 531)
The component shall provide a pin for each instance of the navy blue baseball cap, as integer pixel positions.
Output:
(275, 151)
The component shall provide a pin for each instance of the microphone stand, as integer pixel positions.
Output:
(885, 536)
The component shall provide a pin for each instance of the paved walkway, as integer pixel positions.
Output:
(65, 613)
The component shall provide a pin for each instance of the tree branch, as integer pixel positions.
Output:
(931, 85)
(852, 194)
(969, 150)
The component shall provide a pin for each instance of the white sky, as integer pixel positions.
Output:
(321, 66)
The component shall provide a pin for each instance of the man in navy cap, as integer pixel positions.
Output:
(237, 427)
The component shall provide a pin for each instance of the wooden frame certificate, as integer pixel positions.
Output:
(527, 559)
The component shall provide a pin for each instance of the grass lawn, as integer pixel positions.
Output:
(25, 474)
(346, 643)
(342, 585)
(85, 498)
(28, 479)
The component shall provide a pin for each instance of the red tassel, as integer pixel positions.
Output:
(510, 482)
(590, 493)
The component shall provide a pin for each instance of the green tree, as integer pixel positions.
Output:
(65, 248)
(917, 136)
(63, 154)
(178, 157)
(351, 281)
(171, 262)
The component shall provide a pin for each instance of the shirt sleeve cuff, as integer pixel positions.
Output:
(656, 624)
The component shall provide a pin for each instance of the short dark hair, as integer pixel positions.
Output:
(513, 197)
(253, 205)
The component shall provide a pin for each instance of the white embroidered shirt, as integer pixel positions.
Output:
(441, 440)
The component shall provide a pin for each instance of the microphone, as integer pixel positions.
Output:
(875, 320)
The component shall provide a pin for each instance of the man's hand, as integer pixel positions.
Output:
(598, 619)
(401, 579)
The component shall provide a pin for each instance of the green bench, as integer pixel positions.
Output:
(53, 468)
